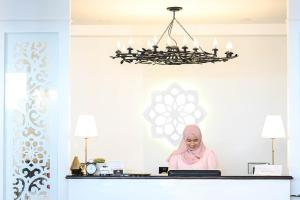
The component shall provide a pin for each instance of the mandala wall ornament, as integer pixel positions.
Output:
(27, 115)
(171, 110)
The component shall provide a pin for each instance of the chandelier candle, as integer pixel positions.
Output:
(172, 54)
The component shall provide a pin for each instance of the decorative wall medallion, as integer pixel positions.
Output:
(27, 118)
(171, 110)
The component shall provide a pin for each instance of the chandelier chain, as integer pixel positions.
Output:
(170, 32)
(184, 29)
(163, 33)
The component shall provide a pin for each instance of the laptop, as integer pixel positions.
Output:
(194, 173)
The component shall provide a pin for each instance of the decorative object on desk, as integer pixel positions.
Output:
(273, 128)
(268, 170)
(76, 168)
(118, 172)
(116, 167)
(171, 110)
(99, 167)
(162, 170)
(251, 166)
(105, 170)
(173, 55)
(99, 160)
(91, 168)
(99, 163)
(86, 128)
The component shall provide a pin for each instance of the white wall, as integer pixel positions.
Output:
(236, 95)
(34, 10)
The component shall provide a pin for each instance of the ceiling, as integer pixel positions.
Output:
(136, 12)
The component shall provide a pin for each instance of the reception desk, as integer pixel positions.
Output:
(179, 188)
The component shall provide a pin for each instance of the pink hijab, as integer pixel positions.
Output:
(190, 156)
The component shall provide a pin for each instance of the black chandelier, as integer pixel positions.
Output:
(172, 55)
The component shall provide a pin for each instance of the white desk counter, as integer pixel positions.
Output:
(179, 188)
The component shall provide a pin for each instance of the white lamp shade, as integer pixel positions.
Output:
(273, 127)
(86, 126)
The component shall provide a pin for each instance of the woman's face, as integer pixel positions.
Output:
(192, 142)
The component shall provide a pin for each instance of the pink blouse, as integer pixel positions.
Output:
(207, 162)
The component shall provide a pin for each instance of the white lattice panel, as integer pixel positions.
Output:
(31, 64)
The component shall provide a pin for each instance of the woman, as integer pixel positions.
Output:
(192, 153)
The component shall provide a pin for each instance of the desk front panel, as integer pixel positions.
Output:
(179, 189)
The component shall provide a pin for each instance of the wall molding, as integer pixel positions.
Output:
(293, 94)
(2, 131)
(196, 30)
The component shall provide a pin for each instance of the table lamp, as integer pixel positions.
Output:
(273, 128)
(86, 128)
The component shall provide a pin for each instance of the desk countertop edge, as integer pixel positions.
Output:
(181, 177)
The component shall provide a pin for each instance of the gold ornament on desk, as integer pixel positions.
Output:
(76, 168)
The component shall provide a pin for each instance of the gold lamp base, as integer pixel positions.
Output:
(85, 150)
